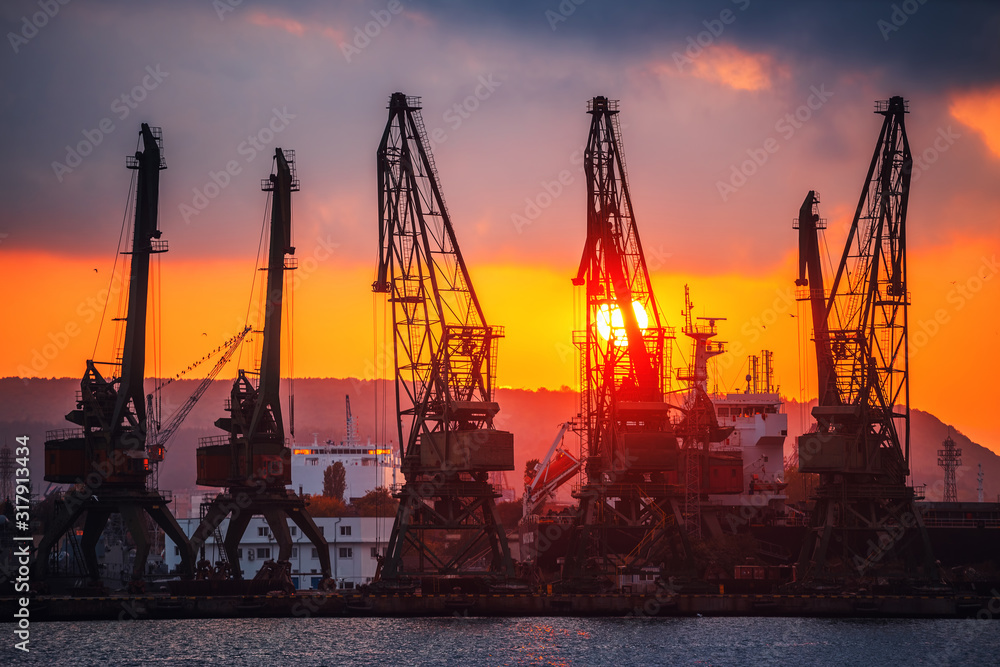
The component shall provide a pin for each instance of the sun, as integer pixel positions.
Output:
(610, 321)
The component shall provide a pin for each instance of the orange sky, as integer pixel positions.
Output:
(953, 365)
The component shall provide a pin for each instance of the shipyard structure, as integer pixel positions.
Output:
(661, 493)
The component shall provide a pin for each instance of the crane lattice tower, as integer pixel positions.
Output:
(632, 515)
(865, 523)
(447, 531)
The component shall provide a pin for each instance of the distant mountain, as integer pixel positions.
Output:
(34, 406)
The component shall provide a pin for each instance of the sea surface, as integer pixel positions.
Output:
(511, 641)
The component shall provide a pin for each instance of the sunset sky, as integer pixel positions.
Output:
(704, 87)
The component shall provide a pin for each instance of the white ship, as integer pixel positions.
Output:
(760, 429)
(367, 465)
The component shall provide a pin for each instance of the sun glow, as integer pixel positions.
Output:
(610, 321)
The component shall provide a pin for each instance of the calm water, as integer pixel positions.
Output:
(534, 641)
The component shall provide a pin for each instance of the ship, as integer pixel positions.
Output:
(367, 465)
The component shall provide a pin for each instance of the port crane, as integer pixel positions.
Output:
(352, 437)
(252, 461)
(865, 523)
(445, 368)
(630, 510)
(107, 452)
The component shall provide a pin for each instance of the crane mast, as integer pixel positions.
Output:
(445, 359)
(865, 521)
(352, 424)
(252, 462)
(111, 412)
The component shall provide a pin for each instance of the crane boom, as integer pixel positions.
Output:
(557, 468)
(624, 347)
(811, 275)
(613, 268)
(446, 353)
(158, 445)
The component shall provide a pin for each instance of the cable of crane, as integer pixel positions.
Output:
(257, 268)
(231, 341)
(175, 420)
(114, 265)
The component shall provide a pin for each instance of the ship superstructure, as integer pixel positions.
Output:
(367, 466)
(760, 428)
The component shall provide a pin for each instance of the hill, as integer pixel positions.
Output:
(33, 406)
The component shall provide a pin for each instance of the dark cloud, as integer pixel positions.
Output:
(228, 73)
(915, 42)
